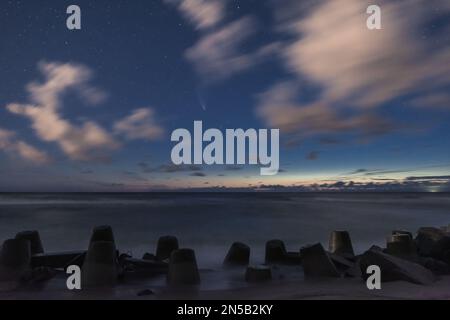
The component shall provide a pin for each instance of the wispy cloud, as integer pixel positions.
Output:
(11, 145)
(220, 54)
(337, 51)
(313, 155)
(233, 168)
(440, 101)
(85, 142)
(139, 125)
(380, 172)
(356, 70)
(203, 14)
(168, 168)
(280, 108)
(198, 174)
(429, 178)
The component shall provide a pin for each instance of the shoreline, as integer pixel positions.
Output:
(325, 289)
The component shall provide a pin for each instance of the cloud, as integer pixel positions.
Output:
(355, 70)
(329, 141)
(233, 168)
(425, 178)
(352, 186)
(198, 174)
(358, 171)
(11, 145)
(203, 14)
(433, 100)
(313, 155)
(350, 62)
(169, 168)
(139, 125)
(280, 108)
(219, 54)
(87, 141)
(377, 172)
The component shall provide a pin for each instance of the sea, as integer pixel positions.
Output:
(210, 222)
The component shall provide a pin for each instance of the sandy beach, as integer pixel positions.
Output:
(328, 289)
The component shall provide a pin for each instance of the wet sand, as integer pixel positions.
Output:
(334, 289)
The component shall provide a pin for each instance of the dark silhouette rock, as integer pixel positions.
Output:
(58, 260)
(394, 268)
(438, 267)
(183, 268)
(341, 263)
(149, 256)
(102, 233)
(434, 243)
(275, 252)
(397, 232)
(258, 273)
(143, 268)
(146, 292)
(42, 274)
(341, 244)
(317, 263)
(402, 245)
(35, 241)
(77, 261)
(354, 271)
(100, 267)
(292, 258)
(238, 255)
(15, 259)
(16, 253)
(166, 245)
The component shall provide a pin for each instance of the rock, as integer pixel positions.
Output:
(143, 268)
(100, 266)
(15, 259)
(397, 232)
(436, 266)
(35, 241)
(354, 271)
(341, 263)
(293, 258)
(258, 273)
(394, 268)
(183, 268)
(42, 274)
(77, 261)
(341, 244)
(146, 292)
(275, 251)
(149, 256)
(401, 245)
(166, 245)
(238, 255)
(16, 253)
(317, 263)
(434, 243)
(57, 260)
(102, 233)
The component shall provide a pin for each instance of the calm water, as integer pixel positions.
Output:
(209, 223)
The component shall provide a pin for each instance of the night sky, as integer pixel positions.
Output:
(93, 109)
